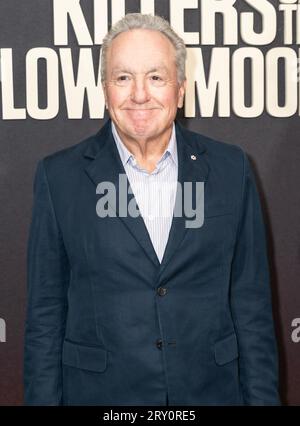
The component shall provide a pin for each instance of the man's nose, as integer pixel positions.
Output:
(140, 93)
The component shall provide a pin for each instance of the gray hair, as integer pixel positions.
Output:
(133, 21)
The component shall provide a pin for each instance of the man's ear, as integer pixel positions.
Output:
(105, 94)
(182, 89)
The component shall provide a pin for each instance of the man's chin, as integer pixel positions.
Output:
(146, 130)
(141, 129)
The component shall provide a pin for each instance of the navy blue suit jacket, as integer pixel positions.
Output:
(98, 329)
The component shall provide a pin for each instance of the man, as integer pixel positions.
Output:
(143, 309)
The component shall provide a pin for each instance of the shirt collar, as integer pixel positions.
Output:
(125, 154)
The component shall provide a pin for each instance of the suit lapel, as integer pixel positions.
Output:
(192, 167)
(106, 166)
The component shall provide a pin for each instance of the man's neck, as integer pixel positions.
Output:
(147, 152)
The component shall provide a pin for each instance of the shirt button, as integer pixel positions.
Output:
(162, 291)
(159, 343)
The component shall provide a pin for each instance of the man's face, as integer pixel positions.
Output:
(141, 89)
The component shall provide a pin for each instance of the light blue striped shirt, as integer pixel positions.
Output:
(154, 192)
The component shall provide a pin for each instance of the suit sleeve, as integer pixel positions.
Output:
(251, 301)
(47, 283)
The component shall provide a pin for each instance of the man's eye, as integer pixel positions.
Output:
(156, 77)
(123, 78)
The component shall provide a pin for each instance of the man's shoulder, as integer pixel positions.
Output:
(65, 166)
(75, 157)
(71, 153)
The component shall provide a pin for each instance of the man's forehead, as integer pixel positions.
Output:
(135, 39)
(140, 34)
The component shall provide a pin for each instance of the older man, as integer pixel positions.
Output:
(141, 309)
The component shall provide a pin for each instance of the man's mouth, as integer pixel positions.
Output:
(140, 109)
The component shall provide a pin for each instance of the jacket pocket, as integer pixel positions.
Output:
(218, 208)
(226, 349)
(91, 358)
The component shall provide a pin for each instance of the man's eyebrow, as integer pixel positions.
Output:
(129, 71)
(116, 70)
(155, 69)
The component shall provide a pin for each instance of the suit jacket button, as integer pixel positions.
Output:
(162, 291)
(159, 343)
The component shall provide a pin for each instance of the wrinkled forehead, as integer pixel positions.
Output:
(141, 49)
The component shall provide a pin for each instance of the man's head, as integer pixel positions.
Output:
(143, 75)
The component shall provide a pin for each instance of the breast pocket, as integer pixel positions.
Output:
(217, 208)
(220, 223)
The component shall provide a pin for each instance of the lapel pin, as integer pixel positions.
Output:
(193, 157)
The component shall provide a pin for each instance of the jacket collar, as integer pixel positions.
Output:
(104, 136)
(106, 165)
